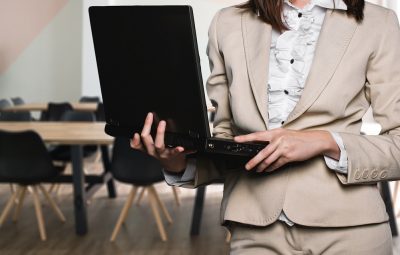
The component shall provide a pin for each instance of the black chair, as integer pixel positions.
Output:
(63, 152)
(86, 99)
(15, 116)
(24, 160)
(100, 116)
(137, 168)
(4, 103)
(55, 111)
(12, 116)
(17, 101)
(212, 114)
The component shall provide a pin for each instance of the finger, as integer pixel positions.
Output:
(261, 136)
(275, 156)
(146, 138)
(179, 150)
(159, 141)
(277, 164)
(263, 154)
(147, 124)
(136, 143)
(148, 143)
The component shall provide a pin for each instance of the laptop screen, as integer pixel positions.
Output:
(148, 61)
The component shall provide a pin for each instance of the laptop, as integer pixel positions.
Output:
(148, 61)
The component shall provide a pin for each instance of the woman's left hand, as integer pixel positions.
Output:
(287, 145)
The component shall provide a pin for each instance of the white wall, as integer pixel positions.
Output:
(49, 69)
(370, 126)
(203, 11)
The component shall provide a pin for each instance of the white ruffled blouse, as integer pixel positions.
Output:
(291, 55)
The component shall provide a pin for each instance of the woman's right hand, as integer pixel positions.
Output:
(172, 159)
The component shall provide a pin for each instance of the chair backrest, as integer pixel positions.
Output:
(24, 158)
(100, 116)
(17, 100)
(133, 166)
(86, 99)
(15, 116)
(4, 103)
(77, 116)
(55, 111)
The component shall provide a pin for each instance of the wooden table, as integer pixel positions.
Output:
(75, 135)
(86, 107)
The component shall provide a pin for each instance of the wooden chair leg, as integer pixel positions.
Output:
(7, 208)
(39, 214)
(124, 213)
(12, 188)
(18, 208)
(395, 191)
(175, 191)
(18, 190)
(57, 189)
(228, 236)
(161, 204)
(53, 205)
(156, 213)
(141, 195)
(51, 188)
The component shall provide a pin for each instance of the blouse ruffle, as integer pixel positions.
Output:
(290, 60)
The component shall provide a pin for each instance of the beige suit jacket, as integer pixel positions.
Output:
(355, 66)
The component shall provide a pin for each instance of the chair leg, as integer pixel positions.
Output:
(156, 213)
(395, 191)
(175, 191)
(39, 214)
(51, 188)
(7, 208)
(124, 213)
(18, 191)
(161, 204)
(53, 205)
(57, 189)
(12, 188)
(228, 236)
(21, 198)
(141, 195)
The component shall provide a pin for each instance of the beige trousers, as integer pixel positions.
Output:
(279, 238)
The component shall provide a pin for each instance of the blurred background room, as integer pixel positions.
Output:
(82, 192)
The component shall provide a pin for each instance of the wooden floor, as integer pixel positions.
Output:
(138, 236)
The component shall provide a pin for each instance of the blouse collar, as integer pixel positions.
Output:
(328, 4)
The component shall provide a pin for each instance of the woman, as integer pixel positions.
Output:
(300, 74)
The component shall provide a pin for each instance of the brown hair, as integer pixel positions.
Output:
(270, 11)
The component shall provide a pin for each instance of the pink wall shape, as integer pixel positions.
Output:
(20, 22)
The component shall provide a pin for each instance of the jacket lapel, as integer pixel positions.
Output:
(336, 33)
(257, 41)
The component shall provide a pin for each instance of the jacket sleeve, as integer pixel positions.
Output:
(377, 158)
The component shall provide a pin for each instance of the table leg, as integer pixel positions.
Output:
(81, 222)
(198, 210)
(387, 198)
(112, 192)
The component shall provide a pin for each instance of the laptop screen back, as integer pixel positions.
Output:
(148, 61)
